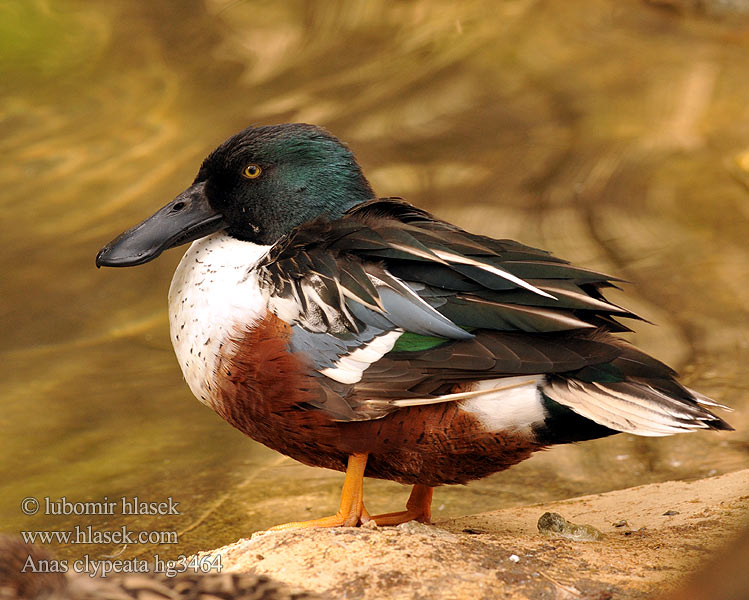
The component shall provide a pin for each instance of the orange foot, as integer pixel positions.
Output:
(418, 508)
(352, 500)
(352, 512)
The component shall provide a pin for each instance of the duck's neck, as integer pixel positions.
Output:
(214, 293)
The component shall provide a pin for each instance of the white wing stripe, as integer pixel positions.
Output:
(464, 260)
(350, 368)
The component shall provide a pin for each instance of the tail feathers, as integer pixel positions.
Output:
(638, 406)
(705, 401)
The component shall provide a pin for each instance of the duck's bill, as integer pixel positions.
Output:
(185, 219)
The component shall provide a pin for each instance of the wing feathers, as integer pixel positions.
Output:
(632, 407)
(462, 260)
(351, 287)
(378, 247)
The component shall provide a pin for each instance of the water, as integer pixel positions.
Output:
(614, 135)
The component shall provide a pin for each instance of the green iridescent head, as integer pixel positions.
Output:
(257, 186)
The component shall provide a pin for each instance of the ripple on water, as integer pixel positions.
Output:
(501, 117)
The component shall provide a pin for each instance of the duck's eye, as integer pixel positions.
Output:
(252, 171)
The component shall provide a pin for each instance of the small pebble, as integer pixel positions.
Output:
(514, 558)
(555, 525)
(670, 513)
(621, 523)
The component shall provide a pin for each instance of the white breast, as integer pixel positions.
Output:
(214, 292)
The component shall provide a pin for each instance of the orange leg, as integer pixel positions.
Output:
(351, 509)
(418, 508)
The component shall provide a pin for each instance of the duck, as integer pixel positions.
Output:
(365, 335)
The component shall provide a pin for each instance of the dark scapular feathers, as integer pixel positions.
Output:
(479, 308)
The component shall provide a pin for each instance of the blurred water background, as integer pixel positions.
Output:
(614, 134)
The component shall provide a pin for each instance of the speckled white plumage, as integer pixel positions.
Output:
(214, 293)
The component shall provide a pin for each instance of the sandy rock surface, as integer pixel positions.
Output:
(653, 537)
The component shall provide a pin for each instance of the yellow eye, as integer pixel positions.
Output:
(252, 171)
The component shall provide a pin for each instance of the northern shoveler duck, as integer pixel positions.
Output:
(363, 334)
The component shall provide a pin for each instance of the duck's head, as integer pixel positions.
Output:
(258, 185)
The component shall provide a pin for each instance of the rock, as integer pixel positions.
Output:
(502, 554)
(554, 524)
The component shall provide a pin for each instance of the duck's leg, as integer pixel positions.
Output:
(418, 508)
(352, 499)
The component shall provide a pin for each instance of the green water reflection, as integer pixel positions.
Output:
(616, 136)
